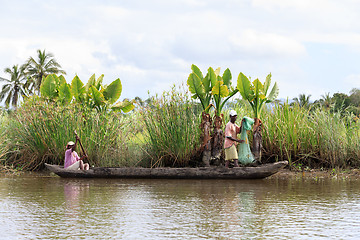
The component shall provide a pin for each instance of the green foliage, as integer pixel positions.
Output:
(3, 135)
(355, 97)
(211, 90)
(171, 129)
(303, 101)
(48, 87)
(313, 138)
(39, 68)
(341, 102)
(93, 95)
(38, 132)
(256, 93)
(113, 91)
(200, 87)
(14, 89)
(78, 90)
(222, 90)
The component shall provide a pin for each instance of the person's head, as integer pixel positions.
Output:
(70, 144)
(233, 116)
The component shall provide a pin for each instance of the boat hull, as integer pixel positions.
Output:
(262, 171)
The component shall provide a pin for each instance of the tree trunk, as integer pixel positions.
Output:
(217, 140)
(257, 139)
(205, 127)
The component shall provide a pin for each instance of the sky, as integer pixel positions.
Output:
(310, 47)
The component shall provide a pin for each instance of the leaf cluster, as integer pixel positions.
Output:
(213, 89)
(256, 93)
(93, 94)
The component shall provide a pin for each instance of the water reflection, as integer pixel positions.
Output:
(74, 193)
(45, 207)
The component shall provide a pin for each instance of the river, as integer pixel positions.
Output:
(42, 206)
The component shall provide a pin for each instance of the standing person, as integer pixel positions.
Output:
(231, 131)
(244, 151)
(72, 159)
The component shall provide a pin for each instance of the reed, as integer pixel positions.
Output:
(38, 133)
(3, 136)
(172, 130)
(311, 138)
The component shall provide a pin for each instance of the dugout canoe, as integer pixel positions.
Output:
(261, 171)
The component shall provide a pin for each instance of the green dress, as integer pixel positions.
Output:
(244, 151)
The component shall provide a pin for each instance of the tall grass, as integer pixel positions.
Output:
(311, 138)
(172, 128)
(3, 136)
(38, 133)
(166, 132)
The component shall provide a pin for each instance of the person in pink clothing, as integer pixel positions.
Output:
(72, 159)
(231, 140)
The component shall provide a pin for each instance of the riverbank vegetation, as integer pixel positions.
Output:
(174, 128)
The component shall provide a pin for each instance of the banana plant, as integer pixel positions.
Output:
(212, 90)
(54, 87)
(256, 93)
(200, 87)
(93, 95)
(222, 91)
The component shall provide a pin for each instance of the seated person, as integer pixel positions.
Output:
(72, 159)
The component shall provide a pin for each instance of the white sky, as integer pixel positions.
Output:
(309, 46)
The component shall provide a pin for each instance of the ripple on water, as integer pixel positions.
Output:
(48, 208)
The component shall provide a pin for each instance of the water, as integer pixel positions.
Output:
(48, 207)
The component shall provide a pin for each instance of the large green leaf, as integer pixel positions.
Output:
(267, 83)
(96, 96)
(195, 85)
(65, 92)
(227, 78)
(258, 87)
(274, 93)
(217, 71)
(91, 82)
(48, 87)
(125, 106)
(244, 87)
(197, 71)
(77, 88)
(213, 76)
(220, 89)
(62, 80)
(99, 81)
(207, 83)
(113, 91)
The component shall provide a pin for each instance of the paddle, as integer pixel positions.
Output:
(82, 148)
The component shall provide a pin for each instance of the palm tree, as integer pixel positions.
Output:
(303, 100)
(37, 69)
(13, 89)
(326, 100)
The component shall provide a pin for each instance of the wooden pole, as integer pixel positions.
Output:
(82, 148)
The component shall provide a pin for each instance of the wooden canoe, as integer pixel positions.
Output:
(261, 171)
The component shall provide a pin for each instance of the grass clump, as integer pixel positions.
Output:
(172, 130)
(314, 138)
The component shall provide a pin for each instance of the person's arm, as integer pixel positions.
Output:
(76, 140)
(234, 139)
